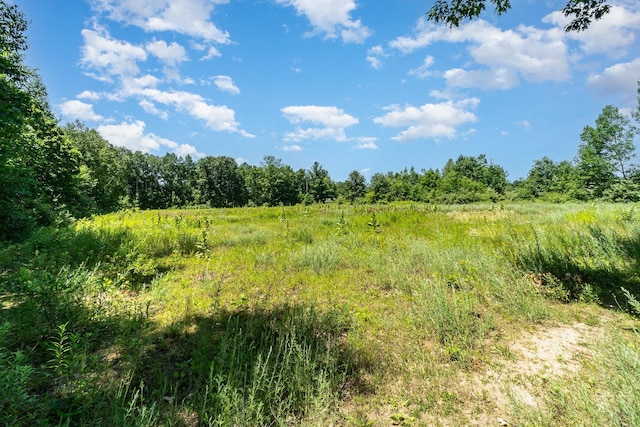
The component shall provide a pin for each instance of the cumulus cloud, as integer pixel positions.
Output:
(332, 122)
(366, 143)
(375, 55)
(189, 17)
(211, 53)
(502, 78)
(619, 79)
(423, 71)
(612, 35)
(429, 120)
(131, 86)
(293, 147)
(171, 54)
(78, 110)
(225, 84)
(505, 56)
(328, 116)
(216, 117)
(106, 54)
(87, 94)
(151, 108)
(132, 136)
(331, 18)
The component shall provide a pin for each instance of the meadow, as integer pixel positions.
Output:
(346, 315)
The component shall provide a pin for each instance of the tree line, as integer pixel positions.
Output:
(50, 171)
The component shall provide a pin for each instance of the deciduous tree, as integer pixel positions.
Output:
(453, 12)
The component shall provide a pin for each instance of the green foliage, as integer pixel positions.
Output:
(102, 170)
(268, 367)
(37, 163)
(453, 13)
(374, 223)
(214, 317)
(271, 184)
(549, 180)
(342, 225)
(606, 149)
(67, 353)
(322, 257)
(589, 262)
(451, 316)
(320, 186)
(355, 186)
(17, 402)
(220, 183)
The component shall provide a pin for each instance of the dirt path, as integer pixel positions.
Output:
(544, 354)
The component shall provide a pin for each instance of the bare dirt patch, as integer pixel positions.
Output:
(546, 353)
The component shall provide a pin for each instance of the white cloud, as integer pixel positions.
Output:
(375, 62)
(184, 150)
(87, 94)
(225, 83)
(151, 108)
(611, 35)
(502, 78)
(331, 17)
(429, 120)
(619, 79)
(294, 148)
(78, 110)
(189, 17)
(332, 122)
(328, 116)
(366, 143)
(132, 136)
(134, 85)
(375, 55)
(172, 54)
(505, 56)
(104, 53)
(211, 53)
(217, 117)
(423, 70)
(524, 124)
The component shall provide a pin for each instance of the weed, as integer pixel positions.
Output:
(342, 225)
(374, 223)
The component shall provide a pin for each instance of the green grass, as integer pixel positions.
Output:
(317, 315)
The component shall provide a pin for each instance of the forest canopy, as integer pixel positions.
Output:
(51, 172)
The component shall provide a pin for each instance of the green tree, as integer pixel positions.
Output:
(548, 179)
(219, 182)
(272, 183)
(143, 180)
(606, 150)
(102, 177)
(38, 165)
(321, 187)
(427, 185)
(355, 186)
(177, 181)
(454, 12)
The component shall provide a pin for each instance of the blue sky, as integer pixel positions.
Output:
(364, 85)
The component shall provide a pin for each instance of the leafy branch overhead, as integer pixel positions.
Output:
(454, 12)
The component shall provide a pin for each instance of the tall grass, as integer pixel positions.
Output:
(272, 368)
(241, 317)
(590, 255)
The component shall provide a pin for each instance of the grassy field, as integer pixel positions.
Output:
(407, 314)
